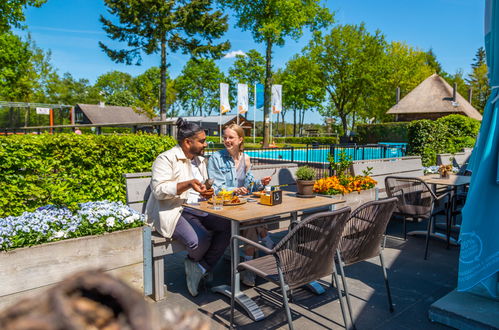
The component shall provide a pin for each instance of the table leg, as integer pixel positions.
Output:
(254, 312)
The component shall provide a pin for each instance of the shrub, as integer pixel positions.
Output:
(449, 134)
(67, 169)
(50, 223)
(305, 173)
(383, 132)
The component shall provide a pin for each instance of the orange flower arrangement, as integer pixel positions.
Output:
(334, 185)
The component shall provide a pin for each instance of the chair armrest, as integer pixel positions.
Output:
(252, 243)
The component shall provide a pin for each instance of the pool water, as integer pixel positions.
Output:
(320, 155)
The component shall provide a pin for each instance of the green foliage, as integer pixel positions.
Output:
(348, 60)
(271, 22)
(12, 13)
(248, 69)
(304, 90)
(66, 169)
(448, 134)
(341, 168)
(305, 173)
(189, 26)
(199, 87)
(478, 81)
(383, 132)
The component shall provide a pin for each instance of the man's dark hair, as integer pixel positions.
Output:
(186, 129)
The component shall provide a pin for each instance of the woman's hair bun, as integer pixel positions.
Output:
(180, 122)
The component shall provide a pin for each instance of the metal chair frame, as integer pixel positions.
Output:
(295, 242)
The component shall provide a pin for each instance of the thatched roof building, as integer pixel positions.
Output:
(432, 99)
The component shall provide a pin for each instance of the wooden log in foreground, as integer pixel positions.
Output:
(92, 300)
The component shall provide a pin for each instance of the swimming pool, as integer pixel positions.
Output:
(320, 154)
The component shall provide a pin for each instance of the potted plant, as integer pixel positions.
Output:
(305, 179)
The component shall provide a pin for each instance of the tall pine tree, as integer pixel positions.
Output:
(479, 81)
(152, 26)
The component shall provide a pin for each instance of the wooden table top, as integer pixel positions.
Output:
(255, 210)
(452, 180)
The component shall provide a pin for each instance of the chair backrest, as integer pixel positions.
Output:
(137, 190)
(306, 253)
(364, 230)
(414, 196)
(381, 168)
(458, 159)
(285, 172)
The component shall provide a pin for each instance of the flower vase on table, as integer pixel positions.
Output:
(444, 171)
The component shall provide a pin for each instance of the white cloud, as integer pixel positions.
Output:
(234, 53)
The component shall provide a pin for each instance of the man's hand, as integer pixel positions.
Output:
(207, 193)
(197, 186)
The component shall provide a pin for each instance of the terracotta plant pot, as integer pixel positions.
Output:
(305, 187)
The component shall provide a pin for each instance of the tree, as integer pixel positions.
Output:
(190, 26)
(432, 62)
(146, 89)
(113, 82)
(349, 59)
(12, 14)
(401, 66)
(68, 90)
(248, 69)
(198, 86)
(478, 81)
(271, 22)
(304, 89)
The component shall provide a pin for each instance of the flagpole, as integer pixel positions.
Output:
(254, 116)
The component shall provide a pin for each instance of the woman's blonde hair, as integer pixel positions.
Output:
(240, 132)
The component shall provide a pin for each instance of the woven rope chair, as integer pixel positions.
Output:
(415, 200)
(362, 240)
(305, 254)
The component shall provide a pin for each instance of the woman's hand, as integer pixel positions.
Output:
(241, 191)
(266, 180)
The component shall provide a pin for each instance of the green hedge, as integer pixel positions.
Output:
(449, 134)
(66, 169)
(384, 132)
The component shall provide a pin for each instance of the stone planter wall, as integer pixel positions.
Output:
(355, 199)
(27, 271)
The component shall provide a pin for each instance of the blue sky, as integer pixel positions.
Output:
(453, 28)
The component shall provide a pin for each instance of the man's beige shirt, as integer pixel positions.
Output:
(165, 205)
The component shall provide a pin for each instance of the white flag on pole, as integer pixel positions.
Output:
(276, 98)
(224, 98)
(242, 98)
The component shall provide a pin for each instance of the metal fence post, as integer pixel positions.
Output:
(331, 154)
(307, 153)
(292, 154)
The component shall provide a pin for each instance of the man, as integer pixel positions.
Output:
(177, 178)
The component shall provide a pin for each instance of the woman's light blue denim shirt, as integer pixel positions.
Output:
(222, 169)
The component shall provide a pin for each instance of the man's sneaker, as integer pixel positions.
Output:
(193, 275)
(248, 278)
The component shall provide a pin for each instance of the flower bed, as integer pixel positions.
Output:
(335, 185)
(51, 223)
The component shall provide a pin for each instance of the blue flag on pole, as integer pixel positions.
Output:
(259, 96)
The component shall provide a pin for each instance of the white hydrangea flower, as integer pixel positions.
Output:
(110, 222)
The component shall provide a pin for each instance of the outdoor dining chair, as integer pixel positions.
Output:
(362, 240)
(305, 254)
(417, 201)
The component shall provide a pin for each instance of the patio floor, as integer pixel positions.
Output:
(415, 285)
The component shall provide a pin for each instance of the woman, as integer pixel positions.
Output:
(230, 170)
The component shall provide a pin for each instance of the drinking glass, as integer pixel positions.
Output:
(218, 202)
